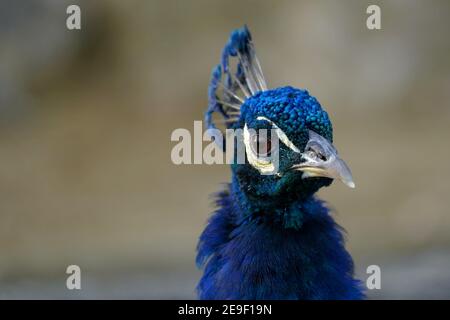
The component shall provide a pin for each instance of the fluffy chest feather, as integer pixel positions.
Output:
(259, 260)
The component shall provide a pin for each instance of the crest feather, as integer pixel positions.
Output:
(228, 89)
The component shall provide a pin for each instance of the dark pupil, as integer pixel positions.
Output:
(261, 145)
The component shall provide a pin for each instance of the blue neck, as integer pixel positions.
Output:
(249, 254)
(284, 211)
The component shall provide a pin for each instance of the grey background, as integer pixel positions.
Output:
(86, 117)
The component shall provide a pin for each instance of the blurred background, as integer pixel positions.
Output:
(86, 117)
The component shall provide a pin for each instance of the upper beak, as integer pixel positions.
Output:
(322, 160)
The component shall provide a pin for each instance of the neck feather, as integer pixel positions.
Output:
(288, 211)
(255, 258)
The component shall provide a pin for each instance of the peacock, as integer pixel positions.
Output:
(270, 236)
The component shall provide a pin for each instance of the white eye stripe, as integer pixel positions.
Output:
(281, 135)
(262, 165)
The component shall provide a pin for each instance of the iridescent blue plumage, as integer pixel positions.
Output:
(270, 237)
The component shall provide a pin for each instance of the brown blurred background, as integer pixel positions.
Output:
(86, 117)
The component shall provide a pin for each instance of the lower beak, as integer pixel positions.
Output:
(334, 169)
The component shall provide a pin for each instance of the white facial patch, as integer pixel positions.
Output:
(281, 135)
(264, 165)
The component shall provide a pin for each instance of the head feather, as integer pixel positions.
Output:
(235, 86)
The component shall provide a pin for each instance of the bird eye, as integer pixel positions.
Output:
(261, 143)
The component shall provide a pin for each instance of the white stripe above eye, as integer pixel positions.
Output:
(281, 135)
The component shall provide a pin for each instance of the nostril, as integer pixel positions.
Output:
(316, 154)
(321, 157)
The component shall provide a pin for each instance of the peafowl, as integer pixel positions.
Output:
(270, 237)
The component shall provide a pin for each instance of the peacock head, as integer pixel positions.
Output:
(286, 134)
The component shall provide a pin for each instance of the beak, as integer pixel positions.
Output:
(322, 160)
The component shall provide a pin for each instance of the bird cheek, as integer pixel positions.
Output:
(288, 159)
